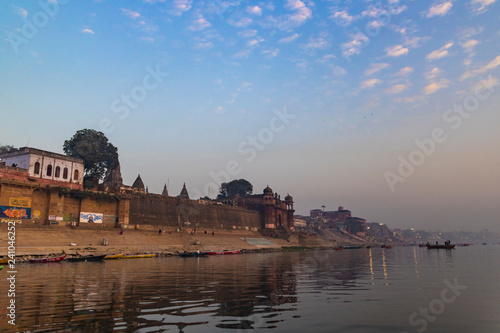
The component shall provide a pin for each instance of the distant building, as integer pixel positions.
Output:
(45, 165)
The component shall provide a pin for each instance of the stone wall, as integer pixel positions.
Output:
(175, 212)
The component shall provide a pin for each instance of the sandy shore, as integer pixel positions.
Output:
(47, 240)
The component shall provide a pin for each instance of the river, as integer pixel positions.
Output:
(404, 289)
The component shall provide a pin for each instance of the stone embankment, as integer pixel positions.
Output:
(45, 240)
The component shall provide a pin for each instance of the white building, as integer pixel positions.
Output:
(46, 165)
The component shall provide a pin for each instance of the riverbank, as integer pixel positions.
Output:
(45, 240)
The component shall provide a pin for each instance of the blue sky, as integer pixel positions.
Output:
(388, 108)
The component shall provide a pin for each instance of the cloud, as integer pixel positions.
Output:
(369, 83)
(131, 13)
(20, 11)
(396, 51)
(374, 68)
(248, 33)
(397, 88)
(481, 5)
(487, 83)
(433, 73)
(374, 11)
(491, 65)
(88, 31)
(199, 23)
(271, 53)
(469, 45)
(240, 23)
(302, 13)
(440, 53)
(289, 39)
(354, 46)
(148, 39)
(405, 71)
(255, 10)
(342, 18)
(435, 86)
(315, 43)
(439, 9)
(180, 6)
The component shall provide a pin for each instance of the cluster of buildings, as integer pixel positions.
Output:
(47, 187)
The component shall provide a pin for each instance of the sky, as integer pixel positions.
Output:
(387, 108)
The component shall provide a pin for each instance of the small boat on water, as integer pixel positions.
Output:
(138, 256)
(113, 256)
(351, 247)
(338, 248)
(44, 260)
(387, 247)
(193, 254)
(439, 246)
(86, 258)
(212, 253)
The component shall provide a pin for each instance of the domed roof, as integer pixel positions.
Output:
(268, 190)
(288, 197)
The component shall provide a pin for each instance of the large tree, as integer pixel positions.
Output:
(98, 153)
(236, 187)
(5, 148)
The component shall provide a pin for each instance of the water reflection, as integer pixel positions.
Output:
(279, 291)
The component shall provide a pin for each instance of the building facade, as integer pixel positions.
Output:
(45, 165)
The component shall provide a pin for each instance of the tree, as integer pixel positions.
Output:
(236, 187)
(6, 148)
(98, 154)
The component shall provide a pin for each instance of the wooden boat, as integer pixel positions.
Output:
(212, 253)
(52, 259)
(351, 247)
(439, 246)
(193, 254)
(138, 256)
(113, 256)
(86, 258)
(388, 246)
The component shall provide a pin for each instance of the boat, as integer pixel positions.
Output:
(464, 244)
(138, 256)
(50, 259)
(113, 256)
(421, 245)
(388, 246)
(212, 253)
(338, 248)
(438, 246)
(4, 261)
(351, 247)
(193, 254)
(87, 258)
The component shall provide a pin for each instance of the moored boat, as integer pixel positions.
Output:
(138, 256)
(351, 247)
(86, 258)
(439, 246)
(212, 253)
(113, 256)
(50, 259)
(193, 254)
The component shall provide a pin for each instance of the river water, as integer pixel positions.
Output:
(406, 289)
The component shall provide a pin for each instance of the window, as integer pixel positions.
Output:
(75, 177)
(49, 170)
(58, 172)
(65, 173)
(37, 168)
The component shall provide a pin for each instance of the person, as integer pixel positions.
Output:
(198, 251)
(121, 231)
(159, 231)
(205, 232)
(213, 233)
